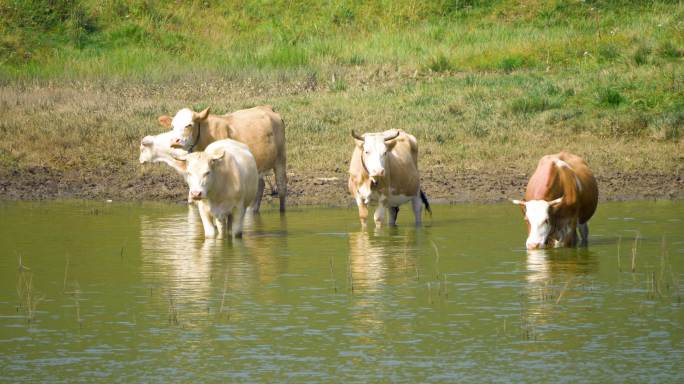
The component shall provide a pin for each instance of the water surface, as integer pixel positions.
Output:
(130, 293)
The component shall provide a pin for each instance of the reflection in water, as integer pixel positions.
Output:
(552, 276)
(194, 271)
(283, 321)
(367, 258)
(176, 259)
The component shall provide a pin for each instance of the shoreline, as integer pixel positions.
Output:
(157, 184)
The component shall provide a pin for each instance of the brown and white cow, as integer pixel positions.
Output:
(384, 168)
(561, 196)
(260, 128)
(223, 179)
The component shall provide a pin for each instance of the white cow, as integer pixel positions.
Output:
(223, 180)
(156, 149)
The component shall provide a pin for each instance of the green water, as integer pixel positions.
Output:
(131, 293)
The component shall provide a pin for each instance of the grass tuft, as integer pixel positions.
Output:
(609, 96)
(439, 63)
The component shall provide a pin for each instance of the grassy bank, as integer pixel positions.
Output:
(486, 88)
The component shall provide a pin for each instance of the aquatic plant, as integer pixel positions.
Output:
(28, 298)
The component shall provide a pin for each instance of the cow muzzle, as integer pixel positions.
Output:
(196, 195)
(532, 246)
(377, 173)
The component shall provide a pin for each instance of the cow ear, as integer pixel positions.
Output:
(202, 115)
(216, 158)
(390, 144)
(357, 138)
(147, 141)
(165, 121)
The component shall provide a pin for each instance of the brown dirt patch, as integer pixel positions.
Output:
(156, 183)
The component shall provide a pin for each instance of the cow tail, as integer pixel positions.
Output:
(425, 202)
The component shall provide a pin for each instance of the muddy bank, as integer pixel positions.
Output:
(156, 183)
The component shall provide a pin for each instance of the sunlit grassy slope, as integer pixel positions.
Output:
(486, 86)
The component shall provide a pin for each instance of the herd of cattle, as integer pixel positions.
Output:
(224, 158)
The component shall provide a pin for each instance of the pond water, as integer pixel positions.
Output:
(131, 293)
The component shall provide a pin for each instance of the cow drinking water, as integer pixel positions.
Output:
(561, 196)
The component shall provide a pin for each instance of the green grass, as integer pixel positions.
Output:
(479, 83)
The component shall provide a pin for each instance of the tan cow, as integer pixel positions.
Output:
(561, 195)
(260, 128)
(384, 168)
(223, 180)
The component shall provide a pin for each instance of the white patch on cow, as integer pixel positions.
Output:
(537, 213)
(560, 163)
(182, 119)
(374, 154)
(365, 193)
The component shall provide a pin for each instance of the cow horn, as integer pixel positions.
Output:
(392, 136)
(356, 135)
(556, 201)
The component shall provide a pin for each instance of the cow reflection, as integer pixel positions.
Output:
(180, 265)
(367, 261)
(174, 251)
(552, 278)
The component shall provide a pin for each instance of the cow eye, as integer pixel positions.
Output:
(367, 152)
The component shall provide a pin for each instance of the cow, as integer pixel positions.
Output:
(384, 168)
(561, 196)
(260, 128)
(223, 180)
(156, 149)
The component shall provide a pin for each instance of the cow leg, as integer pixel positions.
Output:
(238, 218)
(220, 226)
(260, 193)
(417, 205)
(363, 212)
(584, 234)
(379, 215)
(393, 212)
(207, 219)
(281, 181)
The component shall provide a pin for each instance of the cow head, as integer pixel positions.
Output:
(199, 172)
(156, 149)
(146, 149)
(185, 125)
(537, 218)
(374, 148)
